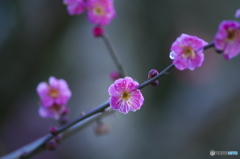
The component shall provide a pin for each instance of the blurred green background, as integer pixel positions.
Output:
(186, 116)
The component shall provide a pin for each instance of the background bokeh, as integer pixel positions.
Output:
(186, 116)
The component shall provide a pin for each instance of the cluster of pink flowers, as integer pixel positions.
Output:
(99, 11)
(187, 52)
(227, 39)
(54, 97)
(125, 96)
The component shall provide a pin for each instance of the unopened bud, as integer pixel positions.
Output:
(152, 73)
(51, 145)
(65, 112)
(155, 83)
(101, 128)
(115, 75)
(53, 130)
(63, 120)
(98, 31)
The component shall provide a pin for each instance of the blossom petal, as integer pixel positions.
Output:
(114, 102)
(42, 89)
(237, 14)
(53, 82)
(47, 101)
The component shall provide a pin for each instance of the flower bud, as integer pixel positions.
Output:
(114, 75)
(51, 145)
(152, 73)
(98, 31)
(53, 130)
(63, 120)
(101, 128)
(155, 83)
(65, 112)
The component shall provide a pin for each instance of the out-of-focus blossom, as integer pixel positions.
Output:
(100, 11)
(237, 14)
(187, 52)
(75, 7)
(54, 92)
(124, 95)
(54, 97)
(115, 75)
(227, 39)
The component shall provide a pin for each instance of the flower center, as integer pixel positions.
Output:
(98, 10)
(232, 34)
(53, 93)
(125, 95)
(188, 52)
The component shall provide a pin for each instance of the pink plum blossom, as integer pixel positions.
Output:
(227, 39)
(54, 97)
(100, 11)
(237, 14)
(124, 95)
(75, 7)
(187, 52)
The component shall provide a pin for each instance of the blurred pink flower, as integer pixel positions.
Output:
(75, 7)
(54, 97)
(124, 95)
(56, 92)
(100, 11)
(227, 39)
(237, 14)
(187, 52)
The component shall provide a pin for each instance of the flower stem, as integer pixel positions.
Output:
(114, 55)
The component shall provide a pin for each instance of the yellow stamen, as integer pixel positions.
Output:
(98, 10)
(188, 52)
(125, 95)
(53, 93)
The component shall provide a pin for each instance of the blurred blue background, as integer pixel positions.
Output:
(186, 116)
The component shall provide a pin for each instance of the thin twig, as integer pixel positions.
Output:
(114, 55)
